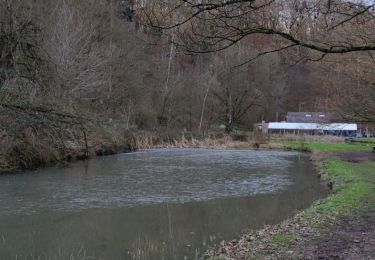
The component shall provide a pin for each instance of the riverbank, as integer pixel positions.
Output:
(342, 226)
(33, 153)
(338, 226)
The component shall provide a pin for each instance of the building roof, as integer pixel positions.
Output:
(312, 126)
(309, 117)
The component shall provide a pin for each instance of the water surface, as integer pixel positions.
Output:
(155, 204)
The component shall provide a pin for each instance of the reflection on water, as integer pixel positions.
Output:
(156, 204)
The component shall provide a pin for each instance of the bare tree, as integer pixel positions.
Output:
(321, 26)
(82, 62)
(312, 30)
(236, 92)
(20, 54)
(354, 98)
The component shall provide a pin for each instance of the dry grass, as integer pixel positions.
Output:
(151, 140)
(34, 149)
(308, 138)
(31, 148)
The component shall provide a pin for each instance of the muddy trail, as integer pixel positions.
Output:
(357, 156)
(352, 237)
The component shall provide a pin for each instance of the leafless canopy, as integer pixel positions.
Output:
(323, 26)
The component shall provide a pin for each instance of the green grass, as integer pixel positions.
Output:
(326, 147)
(354, 187)
(353, 193)
(241, 132)
(353, 183)
(282, 239)
(363, 140)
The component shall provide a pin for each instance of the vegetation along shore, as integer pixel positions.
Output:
(81, 79)
(341, 226)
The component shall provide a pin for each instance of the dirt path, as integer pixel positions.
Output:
(354, 157)
(352, 238)
(357, 156)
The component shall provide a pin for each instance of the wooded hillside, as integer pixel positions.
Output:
(82, 75)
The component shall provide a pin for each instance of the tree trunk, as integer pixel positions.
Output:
(162, 118)
(203, 108)
(229, 125)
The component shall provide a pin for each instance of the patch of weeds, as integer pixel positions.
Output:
(283, 239)
(219, 258)
(258, 255)
(364, 140)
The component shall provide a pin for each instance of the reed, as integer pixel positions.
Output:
(307, 138)
(149, 140)
(32, 148)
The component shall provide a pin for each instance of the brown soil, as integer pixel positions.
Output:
(352, 238)
(357, 156)
(354, 157)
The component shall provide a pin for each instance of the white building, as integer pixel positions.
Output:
(339, 129)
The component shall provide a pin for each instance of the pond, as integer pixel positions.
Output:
(153, 204)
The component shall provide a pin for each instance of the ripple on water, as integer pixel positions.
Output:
(148, 177)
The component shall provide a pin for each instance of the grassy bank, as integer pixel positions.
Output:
(318, 147)
(353, 190)
(352, 196)
(363, 140)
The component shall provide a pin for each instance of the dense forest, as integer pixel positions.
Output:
(92, 75)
